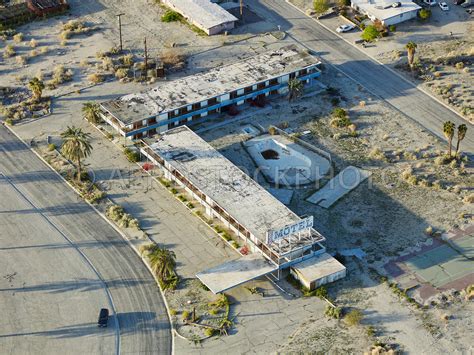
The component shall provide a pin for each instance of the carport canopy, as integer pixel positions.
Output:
(236, 272)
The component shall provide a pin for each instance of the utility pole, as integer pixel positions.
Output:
(242, 10)
(120, 30)
(146, 61)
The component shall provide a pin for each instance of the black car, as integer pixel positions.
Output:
(458, 2)
(103, 318)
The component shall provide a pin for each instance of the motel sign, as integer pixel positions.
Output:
(275, 235)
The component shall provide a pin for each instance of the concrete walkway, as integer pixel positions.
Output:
(347, 180)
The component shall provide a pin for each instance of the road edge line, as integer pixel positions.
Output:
(423, 90)
(111, 224)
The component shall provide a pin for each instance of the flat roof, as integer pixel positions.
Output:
(383, 10)
(203, 12)
(235, 272)
(217, 177)
(203, 86)
(318, 267)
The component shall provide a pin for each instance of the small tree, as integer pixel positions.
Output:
(76, 146)
(320, 6)
(448, 130)
(424, 14)
(462, 129)
(91, 112)
(36, 86)
(295, 88)
(411, 49)
(370, 33)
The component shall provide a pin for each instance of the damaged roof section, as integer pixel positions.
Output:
(168, 96)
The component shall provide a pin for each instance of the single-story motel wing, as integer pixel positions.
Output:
(388, 12)
(182, 101)
(204, 14)
(276, 238)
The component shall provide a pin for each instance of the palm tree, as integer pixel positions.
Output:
(462, 129)
(91, 112)
(411, 48)
(76, 146)
(162, 262)
(295, 87)
(36, 86)
(448, 130)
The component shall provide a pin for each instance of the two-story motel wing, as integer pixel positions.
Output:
(277, 238)
(178, 102)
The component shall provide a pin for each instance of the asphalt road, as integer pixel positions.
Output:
(143, 324)
(379, 80)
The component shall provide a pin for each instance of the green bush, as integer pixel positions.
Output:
(185, 315)
(132, 155)
(210, 332)
(333, 312)
(370, 33)
(339, 112)
(171, 16)
(392, 28)
(51, 147)
(174, 191)
(424, 14)
(320, 6)
(9, 121)
(173, 312)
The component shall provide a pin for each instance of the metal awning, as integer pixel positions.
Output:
(236, 272)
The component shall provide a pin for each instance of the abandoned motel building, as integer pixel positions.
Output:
(278, 241)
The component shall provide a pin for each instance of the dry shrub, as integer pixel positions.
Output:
(33, 43)
(409, 155)
(173, 59)
(84, 63)
(33, 53)
(64, 35)
(9, 51)
(424, 183)
(121, 73)
(61, 75)
(429, 231)
(95, 78)
(107, 63)
(63, 43)
(21, 60)
(362, 103)
(377, 153)
(127, 60)
(18, 37)
(352, 127)
(386, 137)
(469, 198)
(437, 74)
(459, 65)
(39, 75)
(44, 49)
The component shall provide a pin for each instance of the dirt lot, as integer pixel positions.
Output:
(384, 217)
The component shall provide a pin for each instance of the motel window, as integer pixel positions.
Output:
(292, 75)
(303, 72)
(183, 121)
(274, 81)
(152, 121)
(212, 101)
(248, 90)
(261, 86)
